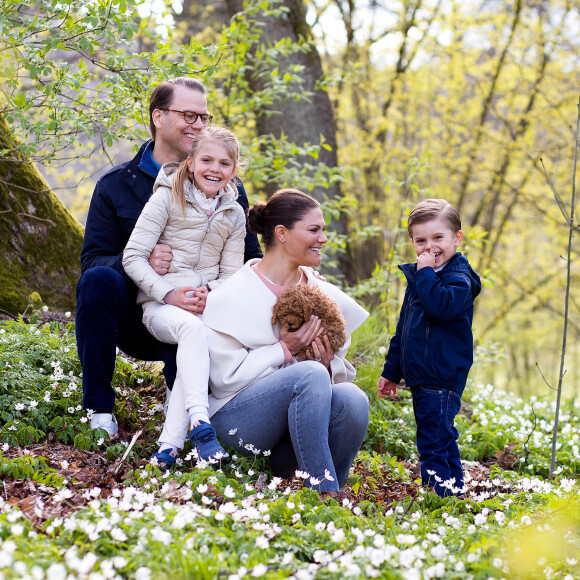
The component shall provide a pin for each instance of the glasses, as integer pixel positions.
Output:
(191, 117)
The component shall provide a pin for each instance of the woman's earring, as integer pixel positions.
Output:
(282, 240)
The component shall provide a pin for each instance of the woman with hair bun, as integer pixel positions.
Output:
(308, 414)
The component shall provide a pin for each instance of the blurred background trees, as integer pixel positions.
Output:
(370, 105)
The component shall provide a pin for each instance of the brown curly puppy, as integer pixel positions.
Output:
(295, 305)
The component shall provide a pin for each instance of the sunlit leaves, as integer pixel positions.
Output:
(81, 72)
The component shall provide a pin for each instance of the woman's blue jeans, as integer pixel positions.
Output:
(306, 422)
(435, 410)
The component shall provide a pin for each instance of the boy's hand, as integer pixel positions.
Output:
(425, 259)
(387, 387)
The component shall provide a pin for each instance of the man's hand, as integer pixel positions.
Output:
(160, 258)
(304, 336)
(387, 387)
(425, 259)
(316, 273)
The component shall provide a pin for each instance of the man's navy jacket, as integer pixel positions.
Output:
(433, 343)
(117, 202)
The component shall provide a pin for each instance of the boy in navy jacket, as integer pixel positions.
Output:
(432, 348)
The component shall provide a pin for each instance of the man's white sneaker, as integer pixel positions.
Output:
(105, 421)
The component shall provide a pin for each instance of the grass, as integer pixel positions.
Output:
(71, 508)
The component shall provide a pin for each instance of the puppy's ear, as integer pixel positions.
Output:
(275, 313)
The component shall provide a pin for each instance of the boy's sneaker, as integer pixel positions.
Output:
(204, 439)
(105, 421)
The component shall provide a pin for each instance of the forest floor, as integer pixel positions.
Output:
(86, 470)
(89, 469)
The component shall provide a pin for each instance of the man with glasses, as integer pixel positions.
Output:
(107, 313)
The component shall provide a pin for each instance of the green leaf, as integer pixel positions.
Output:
(20, 100)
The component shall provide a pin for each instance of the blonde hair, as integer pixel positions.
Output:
(431, 209)
(213, 133)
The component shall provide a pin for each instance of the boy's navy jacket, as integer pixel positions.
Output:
(433, 342)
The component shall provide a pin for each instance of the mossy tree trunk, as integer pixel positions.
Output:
(40, 241)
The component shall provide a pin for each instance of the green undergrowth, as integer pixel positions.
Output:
(27, 466)
(235, 520)
(41, 387)
(212, 524)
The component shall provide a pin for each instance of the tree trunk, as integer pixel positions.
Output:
(302, 120)
(198, 16)
(40, 241)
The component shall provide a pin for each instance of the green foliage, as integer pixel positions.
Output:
(97, 92)
(41, 387)
(419, 128)
(236, 519)
(434, 114)
(492, 424)
(40, 394)
(205, 524)
(84, 90)
(248, 55)
(519, 433)
(82, 73)
(28, 467)
(448, 118)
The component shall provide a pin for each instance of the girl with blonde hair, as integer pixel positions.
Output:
(193, 209)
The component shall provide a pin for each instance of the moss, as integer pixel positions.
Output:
(40, 241)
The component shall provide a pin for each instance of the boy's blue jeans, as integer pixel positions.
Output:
(435, 409)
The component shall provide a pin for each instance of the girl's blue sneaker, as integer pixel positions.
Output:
(164, 459)
(204, 439)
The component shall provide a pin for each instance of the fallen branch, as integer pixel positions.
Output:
(129, 447)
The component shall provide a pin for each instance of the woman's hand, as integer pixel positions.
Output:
(323, 352)
(305, 335)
